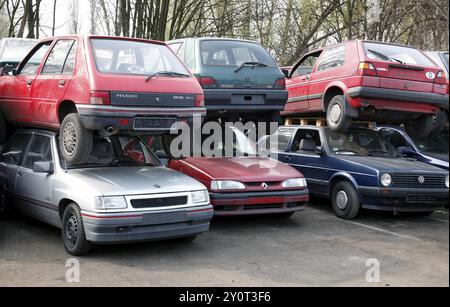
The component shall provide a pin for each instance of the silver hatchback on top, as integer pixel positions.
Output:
(123, 194)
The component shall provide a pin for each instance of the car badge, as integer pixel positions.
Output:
(430, 75)
(265, 186)
(421, 179)
(247, 79)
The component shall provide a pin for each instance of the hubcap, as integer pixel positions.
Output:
(342, 200)
(72, 230)
(336, 113)
(69, 139)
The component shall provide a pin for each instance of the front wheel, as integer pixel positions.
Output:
(75, 141)
(73, 234)
(337, 120)
(345, 200)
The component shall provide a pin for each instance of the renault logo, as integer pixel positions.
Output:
(421, 179)
(265, 186)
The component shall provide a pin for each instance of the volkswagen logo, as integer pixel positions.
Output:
(265, 186)
(421, 179)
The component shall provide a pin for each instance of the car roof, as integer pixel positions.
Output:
(90, 36)
(214, 39)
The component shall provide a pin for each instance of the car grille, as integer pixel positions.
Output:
(412, 181)
(159, 202)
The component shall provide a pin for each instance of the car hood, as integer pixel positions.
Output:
(437, 156)
(393, 165)
(245, 169)
(136, 180)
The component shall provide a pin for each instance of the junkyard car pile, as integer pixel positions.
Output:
(89, 125)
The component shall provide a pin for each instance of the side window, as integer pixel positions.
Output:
(69, 66)
(332, 58)
(57, 58)
(13, 151)
(280, 140)
(393, 138)
(31, 67)
(40, 151)
(306, 142)
(307, 66)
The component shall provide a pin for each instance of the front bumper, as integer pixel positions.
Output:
(254, 203)
(399, 95)
(145, 226)
(245, 100)
(97, 117)
(403, 200)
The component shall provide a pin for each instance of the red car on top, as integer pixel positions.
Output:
(82, 84)
(247, 185)
(371, 81)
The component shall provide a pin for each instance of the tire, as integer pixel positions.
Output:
(337, 120)
(2, 129)
(440, 121)
(421, 127)
(345, 200)
(73, 234)
(75, 151)
(5, 209)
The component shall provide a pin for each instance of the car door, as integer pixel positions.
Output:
(17, 92)
(10, 159)
(35, 190)
(298, 83)
(304, 154)
(51, 84)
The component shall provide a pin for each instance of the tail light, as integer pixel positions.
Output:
(100, 98)
(207, 82)
(441, 78)
(367, 69)
(281, 83)
(200, 101)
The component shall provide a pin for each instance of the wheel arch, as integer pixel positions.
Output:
(333, 90)
(63, 204)
(342, 176)
(66, 107)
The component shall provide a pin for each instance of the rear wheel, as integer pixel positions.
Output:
(337, 120)
(73, 234)
(421, 127)
(345, 200)
(75, 141)
(440, 121)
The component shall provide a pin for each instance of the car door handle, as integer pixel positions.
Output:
(307, 78)
(62, 82)
(19, 174)
(29, 82)
(289, 158)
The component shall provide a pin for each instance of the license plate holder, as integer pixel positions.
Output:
(153, 123)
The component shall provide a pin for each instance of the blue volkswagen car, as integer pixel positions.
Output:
(355, 169)
(431, 150)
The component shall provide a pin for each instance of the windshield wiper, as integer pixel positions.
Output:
(166, 73)
(250, 64)
(385, 57)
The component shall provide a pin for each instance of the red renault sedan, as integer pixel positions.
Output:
(86, 84)
(248, 184)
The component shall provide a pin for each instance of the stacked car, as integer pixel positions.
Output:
(93, 123)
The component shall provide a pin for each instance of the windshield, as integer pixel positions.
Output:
(359, 143)
(437, 143)
(119, 151)
(15, 50)
(399, 54)
(234, 144)
(135, 58)
(234, 53)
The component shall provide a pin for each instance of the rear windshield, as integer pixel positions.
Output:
(234, 53)
(398, 54)
(134, 58)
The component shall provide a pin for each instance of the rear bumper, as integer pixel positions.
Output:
(98, 117)
(404, 200)
(253, 203)
(399, 95)
(141, 227)
(245, 100)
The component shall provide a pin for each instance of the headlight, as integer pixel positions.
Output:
(446, 182)
(386, 180)
(114, 203)
(227, 185)
(295, 183)
(199, 196)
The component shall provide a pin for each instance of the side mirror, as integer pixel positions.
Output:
(286, 72)
(43, 167)
(319, 150)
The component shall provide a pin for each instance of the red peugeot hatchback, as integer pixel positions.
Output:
(82, 84)
(371, 81)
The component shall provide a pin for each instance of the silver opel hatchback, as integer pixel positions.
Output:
(122, 194)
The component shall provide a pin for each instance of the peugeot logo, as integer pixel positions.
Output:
(430, 75)
(421, 179)
(265, 186)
